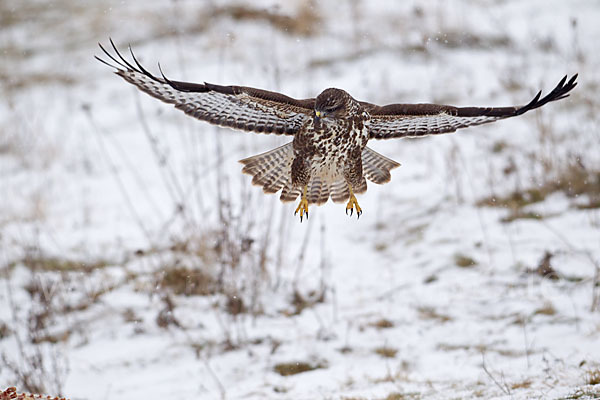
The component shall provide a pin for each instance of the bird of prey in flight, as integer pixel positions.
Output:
(328, 155)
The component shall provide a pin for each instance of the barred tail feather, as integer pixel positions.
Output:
(340, 191)
(376, 167)
(318, 191)
(272, 169)
(289, 193)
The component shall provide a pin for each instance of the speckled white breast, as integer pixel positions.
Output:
(335, 146)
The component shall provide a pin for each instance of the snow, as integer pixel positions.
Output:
(93, 170)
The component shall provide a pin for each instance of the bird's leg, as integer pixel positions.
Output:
(303, 206)
(353, 203)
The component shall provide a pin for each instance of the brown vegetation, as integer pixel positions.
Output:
(296, 367)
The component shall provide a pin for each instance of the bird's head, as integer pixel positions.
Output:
(332, 104)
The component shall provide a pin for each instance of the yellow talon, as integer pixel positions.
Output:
(353, 203)
(303, 206)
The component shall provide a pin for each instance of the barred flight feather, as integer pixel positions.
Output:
(329, 154)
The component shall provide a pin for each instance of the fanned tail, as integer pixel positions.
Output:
(272, 169)
(376, 167)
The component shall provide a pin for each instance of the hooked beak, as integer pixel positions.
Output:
(318, 115)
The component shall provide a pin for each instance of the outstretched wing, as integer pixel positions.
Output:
(403, 120)
(237, 107)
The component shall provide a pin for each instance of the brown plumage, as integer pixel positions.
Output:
(328, 156)
(11, 394)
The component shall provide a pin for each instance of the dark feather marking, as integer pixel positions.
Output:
(559, 92)
(238, 107)
(328, 154)
(399, 120)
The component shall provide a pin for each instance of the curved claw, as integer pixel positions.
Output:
(303, 206)
(353, 203)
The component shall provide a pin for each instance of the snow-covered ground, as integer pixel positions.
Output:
(137, 262)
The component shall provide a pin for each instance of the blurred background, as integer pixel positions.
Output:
(137, 261)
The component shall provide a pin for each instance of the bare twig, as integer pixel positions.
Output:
(502, 385)
(117, 178)
(216, 378)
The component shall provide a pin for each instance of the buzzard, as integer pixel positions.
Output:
(328, 156)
